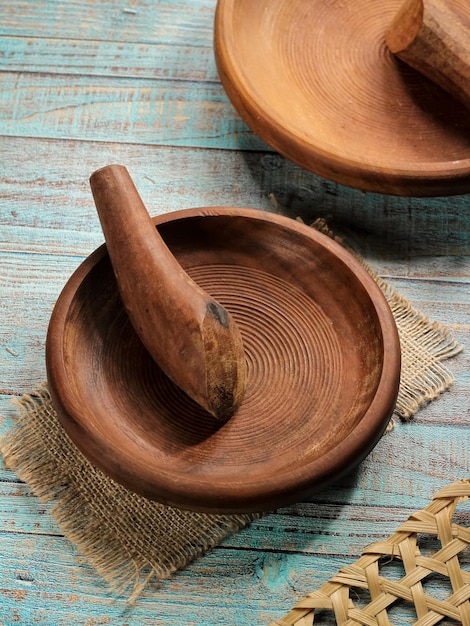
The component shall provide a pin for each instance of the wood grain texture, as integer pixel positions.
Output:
(432, 37)
(109, 58)
(317, 83)
(165, 21)
(130, 110)
(87, 84)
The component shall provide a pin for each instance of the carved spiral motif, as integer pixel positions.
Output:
(294, 363)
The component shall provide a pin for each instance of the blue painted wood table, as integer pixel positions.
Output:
(87, 83)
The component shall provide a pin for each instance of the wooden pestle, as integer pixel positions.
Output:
(192, 337)
(434, 38)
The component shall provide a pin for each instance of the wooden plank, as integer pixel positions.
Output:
(40, 559)
(314, 527)
(22, 512)
(35, 199)
(206, 593)
(122, 110)
(137, 21)
(107, 58)
(385, 226)
(44, 185)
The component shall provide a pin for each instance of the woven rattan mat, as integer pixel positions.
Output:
(429, 546)
(130, 540)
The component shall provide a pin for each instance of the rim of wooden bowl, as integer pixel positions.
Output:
(270, 112)
(232, 494)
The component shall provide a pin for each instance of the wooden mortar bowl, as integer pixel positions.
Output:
(323, 366)
(316, 81)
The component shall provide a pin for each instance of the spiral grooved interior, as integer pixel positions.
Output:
(295, 366)
(316, 362)
(315, 79)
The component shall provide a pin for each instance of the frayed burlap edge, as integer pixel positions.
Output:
(424, 345)
(129, 540)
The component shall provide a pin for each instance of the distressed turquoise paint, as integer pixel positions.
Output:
(126, 110)
(137, 21)
(98, 58)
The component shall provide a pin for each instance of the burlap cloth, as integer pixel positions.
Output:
(131, 541)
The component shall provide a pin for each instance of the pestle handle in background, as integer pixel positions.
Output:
(434, 38)
(192, 337)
